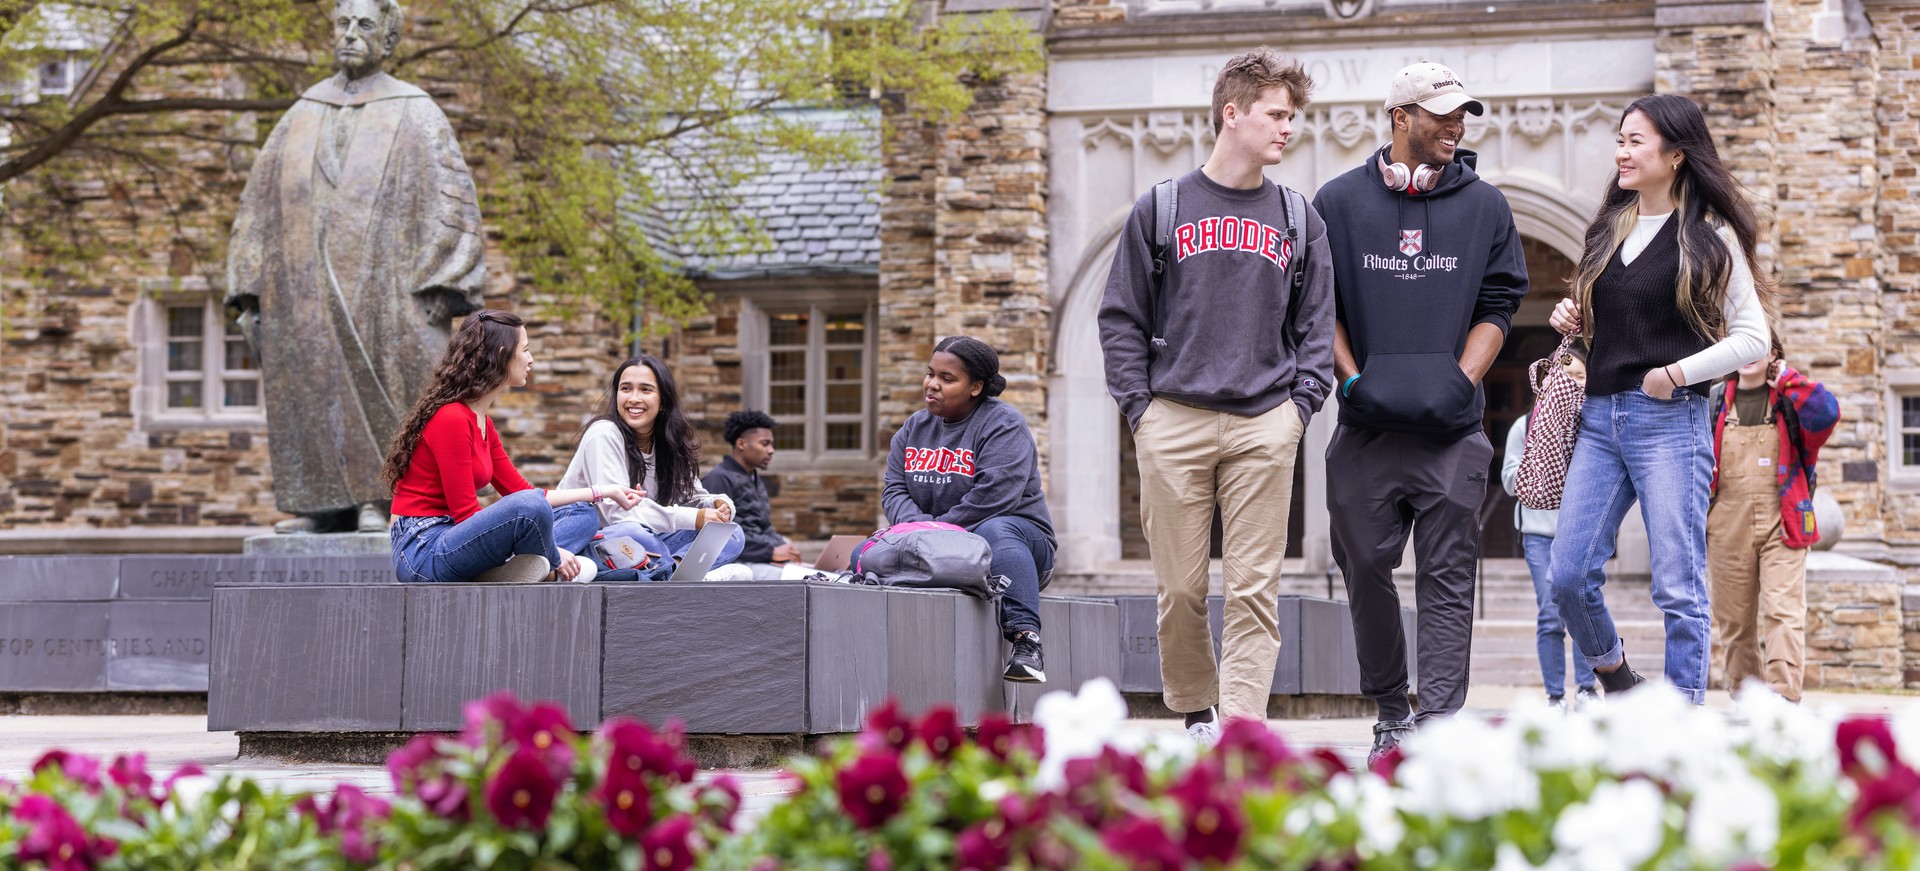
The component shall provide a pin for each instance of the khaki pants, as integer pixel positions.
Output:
(1191, 460)
(1759, 583)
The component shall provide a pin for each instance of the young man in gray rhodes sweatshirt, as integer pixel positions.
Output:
(1429, 270)
(1217, 371)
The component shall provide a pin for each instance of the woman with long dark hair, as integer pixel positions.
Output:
(448, 449)
(643, 437)
(1668, 302)
(969, 459)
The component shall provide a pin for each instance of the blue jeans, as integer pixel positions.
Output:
(437, 549)
(1022, 552)
(1661, 452)
(674, 545)
(1550, 633)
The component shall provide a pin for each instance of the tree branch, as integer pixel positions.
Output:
(43, 150)
(512, 25)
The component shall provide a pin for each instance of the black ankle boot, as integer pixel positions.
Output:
(1620, 679)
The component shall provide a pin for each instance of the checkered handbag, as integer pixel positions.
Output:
(1552, 429)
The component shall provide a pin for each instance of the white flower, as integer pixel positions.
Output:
(1465, 769)
(1778, 731)
(1077, 726)
(1654, 732)
(1906, 733)
(1732, 818)
(1370, 801)
(1617, 828)
(1556, 740)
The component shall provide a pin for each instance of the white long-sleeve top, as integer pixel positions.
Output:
(602, 460)
(1747, 337)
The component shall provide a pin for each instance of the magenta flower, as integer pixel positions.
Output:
(55, 839)
(983, 846)
(130, 774)
(1142, 841)
(522, 793)
(872, 789)
(887, 728)
(1094, 784)
(77, 767)
(629, 804)
(720, 801)
(668, 846)
(1329, 761)
(348, 813)
(1867, 749)
(1258, 751)
(939, 730)
(1215, 823)
(411, 764)
(1002, 737)
(637, 749)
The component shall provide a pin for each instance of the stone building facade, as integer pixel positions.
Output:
(1001, 224)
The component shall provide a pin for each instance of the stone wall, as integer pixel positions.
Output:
(1896, 26)
(73, 450)
(964, 247)
(1857, 635)
(71, 453)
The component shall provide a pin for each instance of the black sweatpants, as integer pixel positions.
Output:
(1380, 487)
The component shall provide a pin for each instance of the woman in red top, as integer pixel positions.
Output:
(448, 449)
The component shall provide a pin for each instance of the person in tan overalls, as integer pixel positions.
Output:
(1770, 425)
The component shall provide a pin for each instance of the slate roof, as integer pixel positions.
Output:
(821, 221)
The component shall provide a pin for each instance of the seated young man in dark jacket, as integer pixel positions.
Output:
(749, 436)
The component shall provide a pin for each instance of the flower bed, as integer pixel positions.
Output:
(1646, 782)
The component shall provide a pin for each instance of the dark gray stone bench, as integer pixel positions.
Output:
(1317, 673)
(385, 659)
(115, 629)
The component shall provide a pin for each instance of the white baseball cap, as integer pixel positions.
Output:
(1434, 87)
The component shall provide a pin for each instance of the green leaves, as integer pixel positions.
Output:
(609, 137)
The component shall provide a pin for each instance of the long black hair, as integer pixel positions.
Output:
(676, 453)
(475, 363)
(1702, 188)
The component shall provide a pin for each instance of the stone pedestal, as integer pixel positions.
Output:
(331, 544)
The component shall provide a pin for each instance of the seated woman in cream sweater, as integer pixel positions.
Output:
(643, 438)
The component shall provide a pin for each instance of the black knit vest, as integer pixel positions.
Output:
(1636, 324)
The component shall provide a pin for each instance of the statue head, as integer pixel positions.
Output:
(364, 35)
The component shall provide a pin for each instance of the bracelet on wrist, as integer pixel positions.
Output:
(595, 490)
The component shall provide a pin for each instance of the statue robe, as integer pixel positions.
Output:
(357, 211)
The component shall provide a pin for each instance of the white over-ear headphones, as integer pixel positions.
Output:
(1417, 180)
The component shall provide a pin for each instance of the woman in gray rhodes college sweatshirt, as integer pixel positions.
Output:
(969, 459)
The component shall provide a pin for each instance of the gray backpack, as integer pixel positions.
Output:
(928, 555)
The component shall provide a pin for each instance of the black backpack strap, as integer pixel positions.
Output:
(1297, 231)
(1166, 204)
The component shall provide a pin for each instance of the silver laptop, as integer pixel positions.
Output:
(839, 553)
(704, 550)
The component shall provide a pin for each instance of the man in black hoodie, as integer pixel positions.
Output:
(1427, 273)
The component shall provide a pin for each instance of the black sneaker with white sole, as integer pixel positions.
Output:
(1024, 665)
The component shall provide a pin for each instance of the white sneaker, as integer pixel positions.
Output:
(1206, 734)
(587, 569)
(730, 572)
(524, 568)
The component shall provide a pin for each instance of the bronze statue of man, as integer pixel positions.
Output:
(356, 242)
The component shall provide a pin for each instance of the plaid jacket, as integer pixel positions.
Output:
(1805, 414)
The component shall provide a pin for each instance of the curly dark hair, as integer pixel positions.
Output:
(739, 422)
(676, 452)
(474, 365)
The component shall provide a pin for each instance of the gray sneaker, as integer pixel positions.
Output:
(1388, 734)
(1585, 698)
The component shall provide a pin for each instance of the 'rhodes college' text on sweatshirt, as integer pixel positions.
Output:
(1238, 339)
(965, 473)
(1414, 275)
